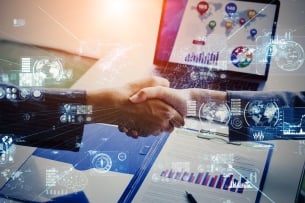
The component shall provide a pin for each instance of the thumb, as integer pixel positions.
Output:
(146, 93)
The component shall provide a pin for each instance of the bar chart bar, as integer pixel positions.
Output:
(219, 182)
(206, 179)
(191, 178)
(213, 181)
(199, 178)
(227, 182)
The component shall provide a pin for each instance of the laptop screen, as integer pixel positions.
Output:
(220, 35)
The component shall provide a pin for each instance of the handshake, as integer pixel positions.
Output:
(146, 107)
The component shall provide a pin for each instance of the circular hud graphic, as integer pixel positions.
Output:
(261, 113)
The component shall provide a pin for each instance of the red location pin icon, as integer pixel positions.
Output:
(202, 7)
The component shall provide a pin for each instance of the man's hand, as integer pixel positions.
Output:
(150, 117)
(179, 98)
(176, 98)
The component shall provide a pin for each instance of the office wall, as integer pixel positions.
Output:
(93, 25)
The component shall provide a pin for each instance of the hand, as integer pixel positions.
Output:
(150, 117)
(179, 98)
(176, 98)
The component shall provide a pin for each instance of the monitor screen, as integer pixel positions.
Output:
(234, 36)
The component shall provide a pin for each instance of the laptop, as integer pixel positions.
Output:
(216, 44)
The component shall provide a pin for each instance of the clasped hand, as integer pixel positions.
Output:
(150, 117)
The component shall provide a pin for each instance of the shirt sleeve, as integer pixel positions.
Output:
(45, 118)
(257, 116)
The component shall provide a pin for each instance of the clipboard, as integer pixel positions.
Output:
(220, 176)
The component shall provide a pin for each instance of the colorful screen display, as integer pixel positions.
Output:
(221, 35)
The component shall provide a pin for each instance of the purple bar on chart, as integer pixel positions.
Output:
(164, 173)
(199, 178)
(191, 178)
(227, 182)
(206, 179)
(213, 181)
(171, 174)
(219, 182)
(234, 185)
(185, 176)
(178, 175)
(242, 185)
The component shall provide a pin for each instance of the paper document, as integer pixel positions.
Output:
(210, 169)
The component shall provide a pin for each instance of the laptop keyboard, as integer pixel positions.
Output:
(182, 78)
(218, 85)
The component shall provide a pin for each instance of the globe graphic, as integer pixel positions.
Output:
(261, 113)
(213, 111)
(290, 56)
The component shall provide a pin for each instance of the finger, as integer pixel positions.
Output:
(177, 124)
(138, 97)
(147, 93)
(177, 120)
(122, 129)
(157, 133)
(170, 127)
(160, 131)
(133, 134)
(175, 117)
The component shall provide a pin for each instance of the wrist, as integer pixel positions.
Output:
(203, 96)
(106, 105)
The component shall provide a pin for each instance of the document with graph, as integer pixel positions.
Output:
(210, 169)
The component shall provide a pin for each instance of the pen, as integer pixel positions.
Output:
(190, 197)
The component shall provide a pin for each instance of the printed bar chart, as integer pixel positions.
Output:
(222, 182)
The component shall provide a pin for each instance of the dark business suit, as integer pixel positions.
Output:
(266, 115)
(39, 117)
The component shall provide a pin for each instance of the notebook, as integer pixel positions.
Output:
(216, 44)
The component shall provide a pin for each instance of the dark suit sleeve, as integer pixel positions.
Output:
(257, 116)
(43, 117)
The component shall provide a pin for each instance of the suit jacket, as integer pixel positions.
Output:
(257, 116)
(42, 117)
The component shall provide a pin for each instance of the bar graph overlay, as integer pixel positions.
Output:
(227, 182)
(294, 121)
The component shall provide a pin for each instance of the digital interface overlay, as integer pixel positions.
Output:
(265, 119)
